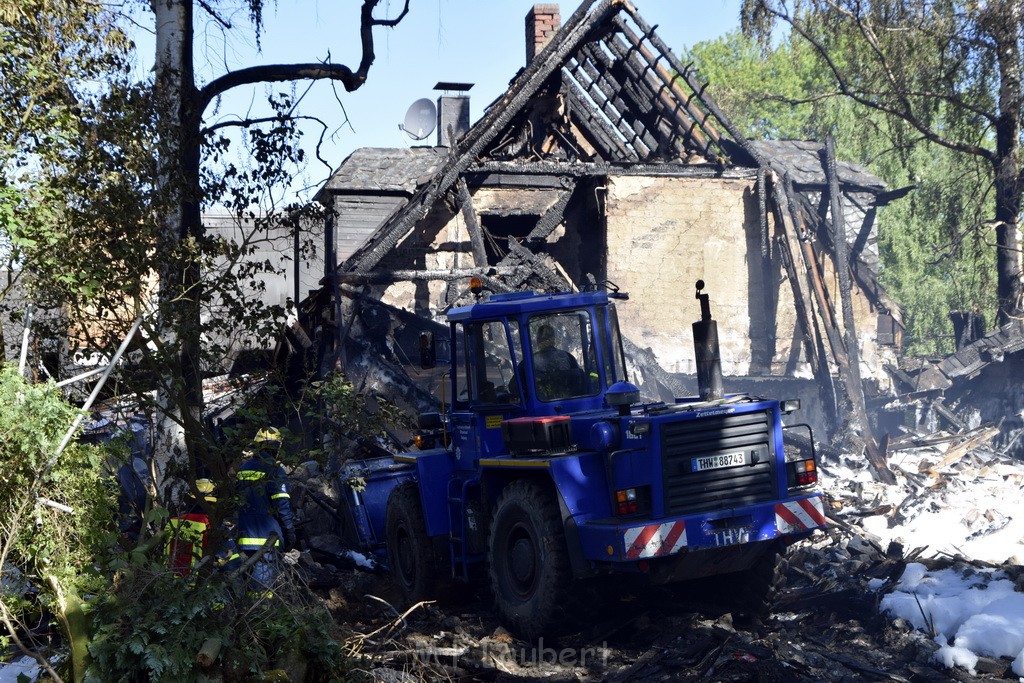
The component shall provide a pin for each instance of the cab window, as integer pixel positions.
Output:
(492, 372)
(563, 355)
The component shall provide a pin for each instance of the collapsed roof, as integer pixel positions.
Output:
(605, 97)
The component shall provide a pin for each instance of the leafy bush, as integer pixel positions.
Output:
(50, 547)
(153, 624)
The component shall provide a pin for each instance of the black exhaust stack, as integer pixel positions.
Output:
(705, 347)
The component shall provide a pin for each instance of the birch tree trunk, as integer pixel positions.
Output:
(180, 444)
(174, 88)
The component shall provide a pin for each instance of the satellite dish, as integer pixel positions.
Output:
(420, 120)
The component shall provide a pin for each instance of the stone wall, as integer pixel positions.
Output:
(666, 233)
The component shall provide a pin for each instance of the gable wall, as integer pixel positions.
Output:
(666, 233)
(654, 237)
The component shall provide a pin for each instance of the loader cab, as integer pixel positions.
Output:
(528, 354)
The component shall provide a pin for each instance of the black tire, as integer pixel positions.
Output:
(529, 563)
(410, 551)
(758, 587)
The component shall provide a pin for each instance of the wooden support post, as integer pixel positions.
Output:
(476, 237)
(799, 278)
(851, 378)
(843, 271)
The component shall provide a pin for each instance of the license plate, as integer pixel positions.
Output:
(714, 462)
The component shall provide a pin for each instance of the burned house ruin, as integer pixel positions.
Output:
(607, 161)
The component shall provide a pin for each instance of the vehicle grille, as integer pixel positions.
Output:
(687, 491)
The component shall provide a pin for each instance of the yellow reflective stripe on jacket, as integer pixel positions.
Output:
(279, 495)
(250, 475)
(256, 541)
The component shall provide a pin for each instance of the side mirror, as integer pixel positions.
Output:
(431, 420)
(428, 350)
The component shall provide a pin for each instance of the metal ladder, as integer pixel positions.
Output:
(458, 545)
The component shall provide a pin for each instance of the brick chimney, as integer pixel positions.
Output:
(542, 22)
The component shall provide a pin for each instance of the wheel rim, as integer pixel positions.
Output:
(522, 561)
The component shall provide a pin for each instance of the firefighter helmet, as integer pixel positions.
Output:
(266, 434)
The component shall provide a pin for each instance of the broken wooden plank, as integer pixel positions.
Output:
(900, 376)
(948, 415)
(918, 441)
(959, 450)
(552, 218)
(476, 237)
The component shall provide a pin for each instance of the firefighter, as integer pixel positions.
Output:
(133, 481)
(265, 508)
(189, 535)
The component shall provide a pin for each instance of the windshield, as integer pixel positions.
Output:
(564, 356)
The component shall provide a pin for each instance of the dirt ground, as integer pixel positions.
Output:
(825, 626)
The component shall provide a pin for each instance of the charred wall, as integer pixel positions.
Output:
(666, 233)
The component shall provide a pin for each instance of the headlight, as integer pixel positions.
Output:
(789, 405)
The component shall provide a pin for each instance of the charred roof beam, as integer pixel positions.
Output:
(567, 171)
(675, 108)
(632, 106)
(686, 75)
(594, 128)
(379, 277)
(641, 103)
(691, 117)
(551, 218)
(551, 280)
(476, 238)
(577, 77)
(480, 136)
(604, 91)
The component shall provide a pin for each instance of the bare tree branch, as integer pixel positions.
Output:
(213, 13)
(245, 123)
(271, 73)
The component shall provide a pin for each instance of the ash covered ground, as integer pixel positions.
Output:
(917, 581)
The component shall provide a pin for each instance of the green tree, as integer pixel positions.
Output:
(180, 109)
(934, 257)
(948, 74)
(54, 86)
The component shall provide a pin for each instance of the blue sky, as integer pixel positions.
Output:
(471, 41)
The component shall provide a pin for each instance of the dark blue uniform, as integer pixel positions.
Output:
(265, 509)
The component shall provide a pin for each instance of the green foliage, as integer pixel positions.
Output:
(40, 540)
(936, 250)
(352, 413)
(153, 623)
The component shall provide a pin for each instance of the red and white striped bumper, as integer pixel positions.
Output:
(654, 540)
(800, 515)
(703, 531)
